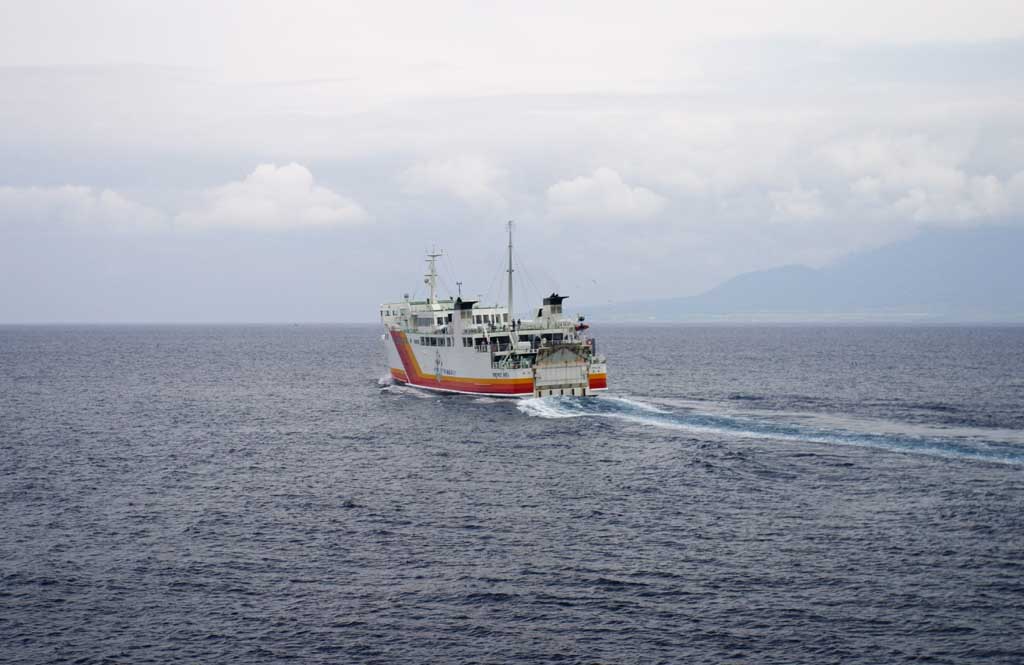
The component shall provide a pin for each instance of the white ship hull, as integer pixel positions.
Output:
(466, 370)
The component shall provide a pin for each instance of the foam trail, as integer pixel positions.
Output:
(752, 428)
(634, 404)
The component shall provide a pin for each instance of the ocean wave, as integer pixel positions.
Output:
(746, 427)
(396, 388)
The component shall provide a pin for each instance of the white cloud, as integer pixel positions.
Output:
(270, 197)
(1015, 191)
(688, 180)
(797, 204)
(469, 178)
(81, 206)
(601, 195)
(273, 197)
(916, 180)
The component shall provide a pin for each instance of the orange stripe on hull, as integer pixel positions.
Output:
(416, 377)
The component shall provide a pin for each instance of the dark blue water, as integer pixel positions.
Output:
(742, 494)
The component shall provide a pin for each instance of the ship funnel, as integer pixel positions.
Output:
(552, 306)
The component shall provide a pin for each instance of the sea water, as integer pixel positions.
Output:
(771, 494)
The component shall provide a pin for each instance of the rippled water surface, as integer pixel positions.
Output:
(742, 494)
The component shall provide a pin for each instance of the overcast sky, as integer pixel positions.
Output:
(214, 161)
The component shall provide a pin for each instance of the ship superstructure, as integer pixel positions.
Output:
(464, 346)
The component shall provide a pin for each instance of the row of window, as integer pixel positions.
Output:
(467, 342)
(432, 341)
(428, 320)
(490, 318)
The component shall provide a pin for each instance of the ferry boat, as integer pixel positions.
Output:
(462, 346)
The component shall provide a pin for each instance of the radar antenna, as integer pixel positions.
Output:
(430, 279)
(511, 311)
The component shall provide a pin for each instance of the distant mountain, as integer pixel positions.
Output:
(975, 275)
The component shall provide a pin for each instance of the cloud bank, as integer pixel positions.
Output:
(468, 178)
(915, 180)
(601, 195)
(273, 197)
(77, 207)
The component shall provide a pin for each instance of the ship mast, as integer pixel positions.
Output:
(431, 276)
(511, 312)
